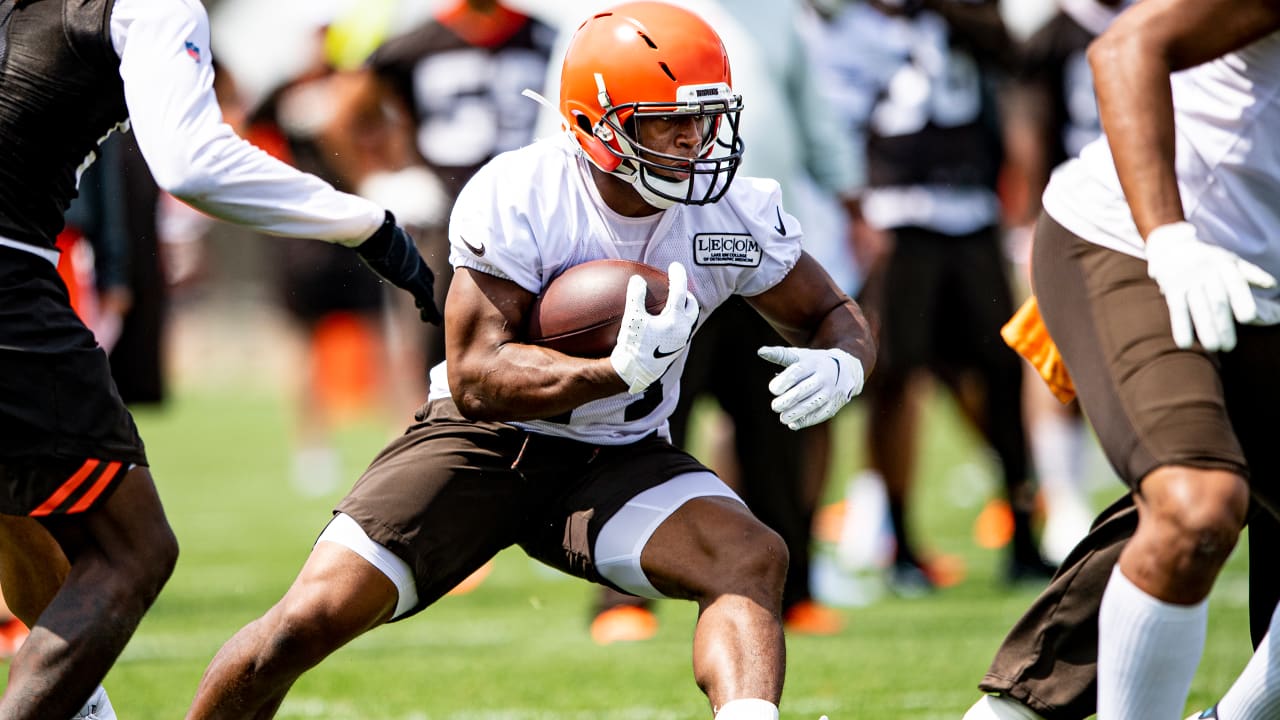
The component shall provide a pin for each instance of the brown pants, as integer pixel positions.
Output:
(1151, 404)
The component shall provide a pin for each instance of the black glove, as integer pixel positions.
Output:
(391, 253)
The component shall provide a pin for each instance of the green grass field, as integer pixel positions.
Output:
(517, 648)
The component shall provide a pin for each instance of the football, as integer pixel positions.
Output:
(580, 310)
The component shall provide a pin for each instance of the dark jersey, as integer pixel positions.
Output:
(1054, 61)
(934, 119)
(55, 107)
(465, 97)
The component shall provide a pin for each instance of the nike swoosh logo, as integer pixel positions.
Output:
(659, 353)
(477, 251)
(837, 362)
(780, 227)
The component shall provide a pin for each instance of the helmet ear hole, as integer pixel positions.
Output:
(596, 150)
(594, 146)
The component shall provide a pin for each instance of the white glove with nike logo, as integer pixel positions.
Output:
(814, 385)
(1206, 287)
(648, 344)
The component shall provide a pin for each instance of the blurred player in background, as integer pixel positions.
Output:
(1049, 115)
(457, 78)
(86, 545)
(568, 457)
(916, 81)
(334, 300)
(1152, 262)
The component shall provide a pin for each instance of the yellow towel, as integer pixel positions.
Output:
(1026, 334)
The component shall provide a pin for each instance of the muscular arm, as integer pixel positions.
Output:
(493, 375)
(1131, 64)
(808, 310)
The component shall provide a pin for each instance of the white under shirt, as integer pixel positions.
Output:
(1227, 161)
(166, 65)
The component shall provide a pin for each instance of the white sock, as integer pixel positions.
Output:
(1148, 651)
(747, 709)
(1255, 695)
(1057, 448)
(1057, 445)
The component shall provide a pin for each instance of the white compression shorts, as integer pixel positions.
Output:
(617, 548)
(623, 537)
(348, 533)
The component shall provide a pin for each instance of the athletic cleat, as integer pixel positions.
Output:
(1210, 714)
(624, 623)
(810, 618)
(909, 580)
(999, 707)
(98, 707)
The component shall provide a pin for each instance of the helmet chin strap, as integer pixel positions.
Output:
(642, 180)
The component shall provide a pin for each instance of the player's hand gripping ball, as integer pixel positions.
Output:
(580, 310)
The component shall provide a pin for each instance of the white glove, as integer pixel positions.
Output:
(815, 384)
(1207, 288)
(648, 344)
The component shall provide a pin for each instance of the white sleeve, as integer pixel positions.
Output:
(168, 85)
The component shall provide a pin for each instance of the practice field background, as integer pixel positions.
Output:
(517, 648)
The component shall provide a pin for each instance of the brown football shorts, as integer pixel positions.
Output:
(1151, 404)
(450, 493)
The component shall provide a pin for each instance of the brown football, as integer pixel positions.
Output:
(580, 310)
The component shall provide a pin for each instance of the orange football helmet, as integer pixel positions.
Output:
(652, 59)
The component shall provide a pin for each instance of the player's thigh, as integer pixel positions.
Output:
(341, 591)
(714, 545)
(443, 497)
(130, 526)
(597, 526)
(1150, 402)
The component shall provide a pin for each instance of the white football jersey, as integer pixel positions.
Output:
(530, 214)
(1227, 161)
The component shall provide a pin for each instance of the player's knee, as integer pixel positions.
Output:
(310, 622)
(163, 555)
(300, 631)
(1209, 535)
(155, 553)
(753, 563)
(146, 562)
(1198, 516)
(129, 579)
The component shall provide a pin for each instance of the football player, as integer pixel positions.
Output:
(85, 543)
(1154, 266)
(567, 457)
(915, 79)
